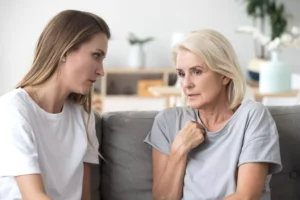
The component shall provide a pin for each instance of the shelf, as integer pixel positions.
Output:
(140, 70)
(129, 96)
(120, 81)
(165, 91)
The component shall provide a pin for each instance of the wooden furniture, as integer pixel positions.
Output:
(127, 88)
(259, 96)
(124, 81)
(168, 92)
(143, 86)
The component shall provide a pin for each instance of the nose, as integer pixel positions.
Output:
(186, 82)
(100, 71)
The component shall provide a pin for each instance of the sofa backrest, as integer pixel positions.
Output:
(126, 172)
(286, 184)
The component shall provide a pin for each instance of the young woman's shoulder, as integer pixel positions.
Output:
(15, 102)
(15, 96)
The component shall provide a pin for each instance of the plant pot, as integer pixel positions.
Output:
(136, 57)
(275, 75)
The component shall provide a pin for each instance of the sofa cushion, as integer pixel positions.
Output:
(127, 169)
(286, 184)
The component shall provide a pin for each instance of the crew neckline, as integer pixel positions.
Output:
(212, 134)
(48, 114)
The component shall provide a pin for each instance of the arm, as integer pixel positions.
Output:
(260, 155)
(250, 181)
(31, 187)
(168, 171)
(168, 174)
(86, 185)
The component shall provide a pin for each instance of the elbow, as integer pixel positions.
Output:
(159, 196)
(239, 196)
(250, 197)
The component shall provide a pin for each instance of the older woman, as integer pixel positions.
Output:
(220, 146)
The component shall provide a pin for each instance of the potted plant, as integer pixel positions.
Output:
(136, 57)
(275, 74)
(262, 12)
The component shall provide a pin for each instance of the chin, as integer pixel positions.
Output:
(83, 91)
(195, 105)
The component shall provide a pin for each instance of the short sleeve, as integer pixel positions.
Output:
(18, 153)
(91, 155)
(158, 137)
(261, 141)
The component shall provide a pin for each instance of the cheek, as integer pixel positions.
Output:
(73, 73)
(80, 65)
(209, 86)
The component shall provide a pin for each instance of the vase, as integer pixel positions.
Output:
(253, 68)
(136, 58)
(274, 75)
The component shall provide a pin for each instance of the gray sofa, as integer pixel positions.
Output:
(126, 173)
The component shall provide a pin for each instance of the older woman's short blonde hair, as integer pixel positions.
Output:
(218, 54)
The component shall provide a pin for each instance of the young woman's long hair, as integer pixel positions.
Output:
(66, 32)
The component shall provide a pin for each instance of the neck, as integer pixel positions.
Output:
(217, 114)
(50, 96)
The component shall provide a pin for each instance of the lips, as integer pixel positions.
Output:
(192, 95)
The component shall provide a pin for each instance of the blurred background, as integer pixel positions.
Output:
(139, 70)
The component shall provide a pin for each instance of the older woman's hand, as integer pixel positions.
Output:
(189, 137)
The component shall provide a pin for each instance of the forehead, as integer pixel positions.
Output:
(186, 59)
(99, 40)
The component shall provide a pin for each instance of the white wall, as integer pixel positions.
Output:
(22, 21)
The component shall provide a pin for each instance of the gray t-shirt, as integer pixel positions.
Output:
(249, 136)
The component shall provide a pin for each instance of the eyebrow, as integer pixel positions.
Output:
(191, 68)
(103, 52)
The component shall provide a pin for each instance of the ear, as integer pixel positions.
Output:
(64, 59)
(225, 80)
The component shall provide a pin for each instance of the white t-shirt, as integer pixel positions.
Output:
(33, 141)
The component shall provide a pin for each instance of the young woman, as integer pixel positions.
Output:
(219, 147)
(48, 132)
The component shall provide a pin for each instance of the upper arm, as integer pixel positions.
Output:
(159, 136)
(18, 153)
(19, 156)
(251, 179)
(86, 184)
(91, 155)
(261, 141)
(159, 163)
(31, 187)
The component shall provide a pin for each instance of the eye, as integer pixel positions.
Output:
(197, 72)
(180, 74)
(96, 55)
